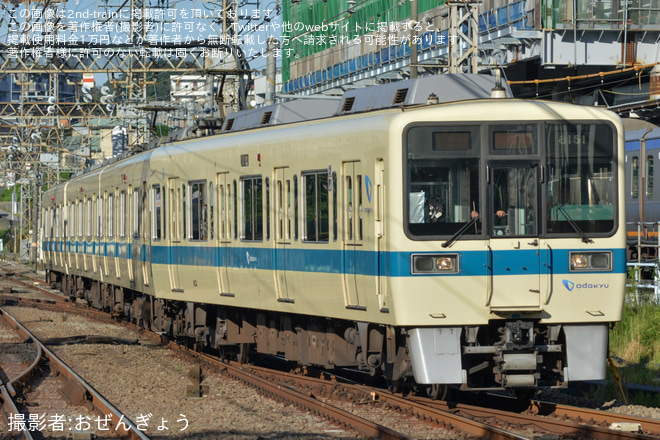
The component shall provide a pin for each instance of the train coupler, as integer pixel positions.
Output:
(517, 369)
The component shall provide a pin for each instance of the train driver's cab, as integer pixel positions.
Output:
(514, 199)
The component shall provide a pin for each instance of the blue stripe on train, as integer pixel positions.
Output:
(397, 264)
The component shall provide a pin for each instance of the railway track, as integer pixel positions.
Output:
(75, 392)
(540, 418)
(328, 398)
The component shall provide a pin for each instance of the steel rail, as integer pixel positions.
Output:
(33, 284)
(10, 408)
(295, 397)
(97, 400)
(435, 411)
(427, 409)
(651, 426)
(25, 375)
(557, 426)
(444, 419)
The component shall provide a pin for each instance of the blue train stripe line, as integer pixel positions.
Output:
(394, 264)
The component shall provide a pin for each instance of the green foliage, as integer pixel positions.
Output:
(162, 130)
(635, 342)
(7, 239)
(5, 196)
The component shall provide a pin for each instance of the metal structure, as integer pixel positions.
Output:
(594, 53)
(50, 53)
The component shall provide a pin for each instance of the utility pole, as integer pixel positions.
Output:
(271, 72)
(463, 46)
(413, 39)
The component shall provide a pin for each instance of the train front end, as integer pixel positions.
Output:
(514, 237)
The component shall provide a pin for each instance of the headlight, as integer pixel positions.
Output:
(445, 263)
(601, 261)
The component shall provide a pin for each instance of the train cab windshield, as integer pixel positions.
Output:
(443, 179)
(581, 186)
(536, 179)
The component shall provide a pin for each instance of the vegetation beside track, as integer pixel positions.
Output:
(635, 351)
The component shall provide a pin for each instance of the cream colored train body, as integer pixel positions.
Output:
(369, 240)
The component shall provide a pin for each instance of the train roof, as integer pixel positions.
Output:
(446, 89)
(437, 89)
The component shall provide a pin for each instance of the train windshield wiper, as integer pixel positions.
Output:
(574, 225)
(460, 232)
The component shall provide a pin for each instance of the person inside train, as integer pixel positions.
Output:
(499, 198)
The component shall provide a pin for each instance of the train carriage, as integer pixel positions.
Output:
(642, 201)
(477, 243)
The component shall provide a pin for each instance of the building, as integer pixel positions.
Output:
(592, 52)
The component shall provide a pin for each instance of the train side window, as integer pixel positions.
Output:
(349, 209)
(164, 210)
(136, 213)
(174, 228)
(279, 207)
(156, 212)
(99, 216)
(184, 217)
(235, 202)
(211, 212)
(122, 214)
(64, 220)
(80, 218)
(198, 211)
(649, 177)
(295, 207)
(143, 221)
(72, 219)
(229, 213)
(358, 194)
(57, 222)
(88, 218)
(289, 216)
(317, 208)
(267, 209)
(252, 208)
(221, 212)
(335, 198)
(635, 177)
(95, 216)
(49, 222)
(45, 214)
(111, 215)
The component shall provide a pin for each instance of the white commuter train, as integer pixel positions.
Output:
(476, 242)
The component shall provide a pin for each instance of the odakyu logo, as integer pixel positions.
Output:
(369, 187)
(570, 285)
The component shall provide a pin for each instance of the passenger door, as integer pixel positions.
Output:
(145, 233)
(224, 232)
(514, 249)
(283, 224)
(379, 232)
(353, 232)
(175, 231)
